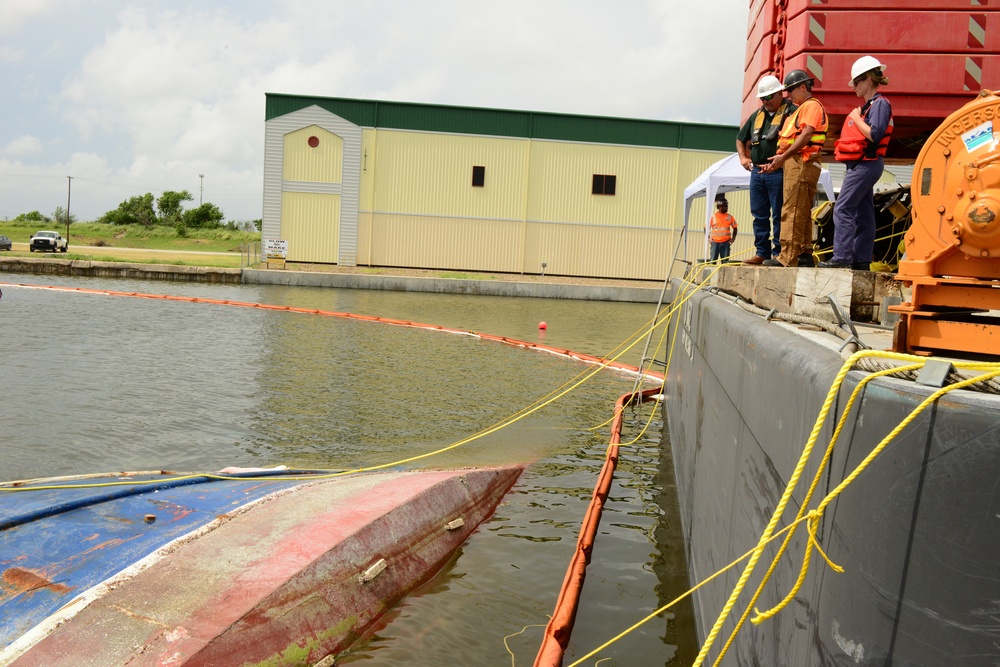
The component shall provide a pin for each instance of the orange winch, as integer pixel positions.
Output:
(952, 258)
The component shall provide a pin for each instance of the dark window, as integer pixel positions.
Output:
(478, 177)
(604, 184)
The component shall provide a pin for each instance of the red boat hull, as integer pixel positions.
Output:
(280, 583)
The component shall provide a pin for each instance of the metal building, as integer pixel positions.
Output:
(363, 182)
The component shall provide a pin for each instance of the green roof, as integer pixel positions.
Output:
(508, 123)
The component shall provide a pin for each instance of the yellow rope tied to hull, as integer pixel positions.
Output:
(990, 371)
(805, 504)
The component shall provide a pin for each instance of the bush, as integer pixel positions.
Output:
(34, 216)
(206, 215)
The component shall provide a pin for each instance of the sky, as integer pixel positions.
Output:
(134, 97)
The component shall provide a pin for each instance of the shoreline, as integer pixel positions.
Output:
(334, 276)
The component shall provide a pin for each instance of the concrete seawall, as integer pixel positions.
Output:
(80, 267)
(551, 289)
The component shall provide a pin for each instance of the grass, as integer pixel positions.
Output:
(97, 242)
(99, 235)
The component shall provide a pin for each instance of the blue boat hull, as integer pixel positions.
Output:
(277, 571)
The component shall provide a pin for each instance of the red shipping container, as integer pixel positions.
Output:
(762, 16)
(938, 53)
(762, 24)
(921, 75)
(753, 45)
(795, 7)
(923, 88)
(763, 62)
(899, 32)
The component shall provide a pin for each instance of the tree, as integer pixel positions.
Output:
(206, 215)
(59, 215)
(169, 206)
(34, 216)
(134, 211)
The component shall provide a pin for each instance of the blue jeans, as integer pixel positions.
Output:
(766, 198)
(720, 250)
(854, 213)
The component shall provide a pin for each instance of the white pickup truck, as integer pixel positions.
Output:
(45, 240)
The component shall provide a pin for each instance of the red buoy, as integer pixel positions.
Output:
(543, 326)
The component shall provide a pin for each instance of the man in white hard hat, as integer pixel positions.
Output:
(756, 143)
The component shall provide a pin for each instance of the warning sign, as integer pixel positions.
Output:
(275, 248)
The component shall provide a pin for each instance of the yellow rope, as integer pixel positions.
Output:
(930, 400)
(793, 480)
(677, 599)
(812, 517)
(515, 634)
(821, 468)
(805, 503)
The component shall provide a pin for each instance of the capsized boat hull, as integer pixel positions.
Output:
(917, 533)
(286, 579)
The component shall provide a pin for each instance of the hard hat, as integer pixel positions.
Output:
(722, 201)
(795, 77)
(862, 65)
(768, 86)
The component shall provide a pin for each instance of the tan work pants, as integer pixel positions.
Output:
(796, 211)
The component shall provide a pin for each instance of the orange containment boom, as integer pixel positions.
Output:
(952, 262)
(560, 626)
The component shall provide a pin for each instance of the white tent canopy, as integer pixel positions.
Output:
(727, 175)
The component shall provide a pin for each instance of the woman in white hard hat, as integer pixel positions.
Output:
(861, 147)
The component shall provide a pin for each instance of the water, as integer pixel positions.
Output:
(94, 383)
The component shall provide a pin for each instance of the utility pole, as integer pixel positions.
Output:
(201, 190)
(69, 191)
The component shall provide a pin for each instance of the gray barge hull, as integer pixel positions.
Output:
(918, 533)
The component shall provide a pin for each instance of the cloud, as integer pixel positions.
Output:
(16, 13)
(160, 92)
(9, 54)
(23, 145)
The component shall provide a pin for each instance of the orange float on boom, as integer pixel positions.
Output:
(952, 259)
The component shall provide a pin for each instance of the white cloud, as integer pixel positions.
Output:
(23, 145)
(16, 13)
(154, 93)
(9, 54)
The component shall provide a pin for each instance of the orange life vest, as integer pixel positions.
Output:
(792, 129)
(721, 227)
(853, 145)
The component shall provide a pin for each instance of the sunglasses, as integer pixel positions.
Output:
(768, 97)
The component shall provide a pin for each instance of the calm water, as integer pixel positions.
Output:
(94, 383)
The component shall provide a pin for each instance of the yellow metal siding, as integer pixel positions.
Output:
(417, 206)
(319, 164)
(596, 251)
(310, 222)
(369, 157)
(445, 243)
(431, 174)
(562, 177)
